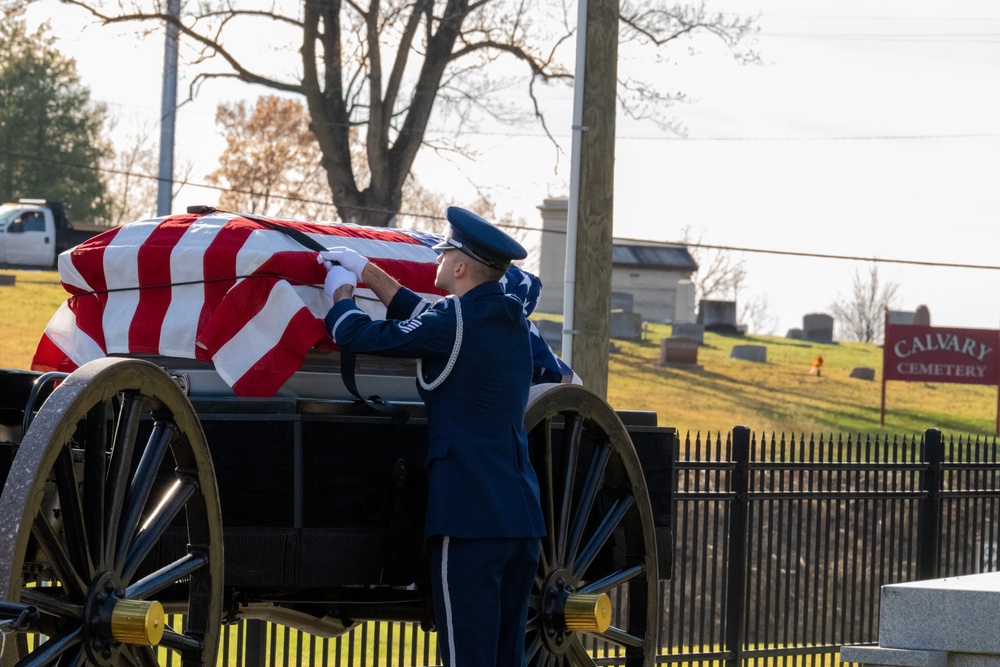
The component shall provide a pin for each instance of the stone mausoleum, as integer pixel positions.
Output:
(654, 277)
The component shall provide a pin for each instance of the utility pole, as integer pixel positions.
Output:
(168, 112)
(587, 327)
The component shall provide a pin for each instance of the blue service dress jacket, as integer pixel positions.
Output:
(481, 482)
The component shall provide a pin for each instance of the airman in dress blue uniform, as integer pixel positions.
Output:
(484, 518)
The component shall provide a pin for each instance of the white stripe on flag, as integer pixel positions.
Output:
(411, 252)
(69, 338)
(121, 269)
(187, 264)
(259, 335)
(69, 274)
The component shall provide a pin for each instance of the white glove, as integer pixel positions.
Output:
(346, 257)
(338, 276)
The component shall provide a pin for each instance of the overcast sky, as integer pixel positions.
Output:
(872, 130)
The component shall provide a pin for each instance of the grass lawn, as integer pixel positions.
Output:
(780, 395)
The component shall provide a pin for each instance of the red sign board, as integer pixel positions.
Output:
(916, 353)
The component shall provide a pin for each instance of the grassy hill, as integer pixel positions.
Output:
(777, 396)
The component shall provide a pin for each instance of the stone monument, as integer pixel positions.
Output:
(717, 315)
(817, 328)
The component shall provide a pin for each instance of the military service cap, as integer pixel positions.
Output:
(480, 240)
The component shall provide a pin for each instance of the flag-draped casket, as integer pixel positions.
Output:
(234, 291)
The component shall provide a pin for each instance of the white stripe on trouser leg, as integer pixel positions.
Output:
(450, 626)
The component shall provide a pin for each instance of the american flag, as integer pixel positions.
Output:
(225, 289)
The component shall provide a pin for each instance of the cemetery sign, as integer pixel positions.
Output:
(916, 353)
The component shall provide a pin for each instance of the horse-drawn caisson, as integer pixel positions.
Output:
(188, 444)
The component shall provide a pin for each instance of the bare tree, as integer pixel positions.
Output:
(385, 66)
(755, 312)
(861, 317)
(720, 273)
(271, 166)
(131, 173)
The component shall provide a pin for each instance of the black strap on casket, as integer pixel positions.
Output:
(347, 363)
(347, 359)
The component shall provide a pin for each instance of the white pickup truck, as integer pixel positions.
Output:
(33, 232)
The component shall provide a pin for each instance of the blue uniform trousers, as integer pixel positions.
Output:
(481, 589)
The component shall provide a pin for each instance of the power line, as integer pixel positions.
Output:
(706, 246)
(854, 258)
(785, 253)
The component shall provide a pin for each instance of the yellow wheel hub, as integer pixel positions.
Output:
(590, 613)
(138, 622)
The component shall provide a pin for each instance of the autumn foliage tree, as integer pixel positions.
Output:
(271, 164)
(381, 70)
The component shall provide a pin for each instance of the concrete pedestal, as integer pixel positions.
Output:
(948, 622)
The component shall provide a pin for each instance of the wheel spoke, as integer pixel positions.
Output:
(172, 503)
(613, 580)
(166, 576)
(52, 649)
(588, 495)
(59, 560)
(533, 648)
(545, 479)
(603, 532)
(577, 656)
(94, 473)
(572, 429)
(145, 656)
(71, 510)
(126, 430)
(619, 636)
(539, 659)
(50, 604)
(178, 642)
(142, 484)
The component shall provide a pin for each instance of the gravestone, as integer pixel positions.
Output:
(688, 330)
(922, 316)
(817, 328)
(749, 352)
(7, 279)
(676, 351)
(622, 301)
(795, 334)
(626, 325)
(901, 317)
(862, 373)
(717, 315)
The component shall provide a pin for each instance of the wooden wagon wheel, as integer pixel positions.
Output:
(596, 593)
(88, 499)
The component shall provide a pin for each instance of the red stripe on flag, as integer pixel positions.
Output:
(220, 271)
(418, 276)
(154, 284)
(89, 312)
(382, 234)
(48, 357)
(242, 303)
(279, 363)
(88, 259)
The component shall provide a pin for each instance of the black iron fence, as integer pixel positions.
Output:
(782, 544)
